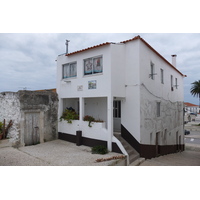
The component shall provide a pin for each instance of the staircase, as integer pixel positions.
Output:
(133, 154)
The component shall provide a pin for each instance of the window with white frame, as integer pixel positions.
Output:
(70, 70)
(93, 65)
(162, 76)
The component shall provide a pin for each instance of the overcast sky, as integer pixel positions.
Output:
(28, 60)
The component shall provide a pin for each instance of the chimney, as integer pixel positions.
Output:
(66, 43)
(174, 60)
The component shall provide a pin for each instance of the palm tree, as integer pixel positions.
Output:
(195, 89)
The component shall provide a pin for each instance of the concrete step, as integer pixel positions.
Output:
(137, 162)
(133, 154)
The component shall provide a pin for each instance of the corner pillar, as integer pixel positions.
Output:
(110, 121)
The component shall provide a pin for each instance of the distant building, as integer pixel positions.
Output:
(191, 108)
(130, 87)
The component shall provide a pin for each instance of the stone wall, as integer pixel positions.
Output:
(10, 110)
(13, 106)
(168, 124)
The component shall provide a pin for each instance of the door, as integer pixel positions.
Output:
(157, 143)
(177, 143)
(179, 148)
(31, 129)
(117, 116)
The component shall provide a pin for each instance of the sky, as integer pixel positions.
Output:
(28, 60)
(33, 34)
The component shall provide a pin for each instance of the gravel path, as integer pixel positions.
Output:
(54, 153)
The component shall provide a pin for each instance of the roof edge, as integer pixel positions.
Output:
(161, 56)
(135, 38)
(99, 45)
(148, 45)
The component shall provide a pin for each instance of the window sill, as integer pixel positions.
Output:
(68, 79)
(90, 75)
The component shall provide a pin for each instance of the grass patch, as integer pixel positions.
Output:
(99, 150)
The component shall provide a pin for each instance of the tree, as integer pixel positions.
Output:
(195, 90)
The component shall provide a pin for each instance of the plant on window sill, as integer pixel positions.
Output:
(69, 114)
(89, 119)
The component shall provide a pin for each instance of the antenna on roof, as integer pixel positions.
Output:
(66, 43)
(25, 88)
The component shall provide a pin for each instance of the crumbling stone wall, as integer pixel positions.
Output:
(10, 110)
(168, 124)
(14, 104)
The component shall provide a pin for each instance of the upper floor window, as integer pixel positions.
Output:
(172, 83)
(162, 76)
(69, 70)
(176, 83)
(93, 65)
(152, 74)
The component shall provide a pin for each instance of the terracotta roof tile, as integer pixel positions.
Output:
(103, 44)
(190, 104)
(135, 38)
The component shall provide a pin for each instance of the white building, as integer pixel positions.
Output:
(191, 108)
(129, 86)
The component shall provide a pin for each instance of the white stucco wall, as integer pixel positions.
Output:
(97, 131)
(155, 86)
(118, 68)
(69, 89)
(152, 91)
(96, 107)
(130, 118)
(10, 110)
(95, 102)
(126, 69)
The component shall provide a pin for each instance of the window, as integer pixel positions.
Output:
(162, 75)
(93, 65)
(151, 75)
(158, 109)
(176, 83)
(172, 85)
(117, 109)
(69, 70)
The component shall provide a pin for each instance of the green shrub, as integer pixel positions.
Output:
(69, 114)
(99, 149)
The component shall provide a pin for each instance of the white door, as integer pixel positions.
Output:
(117, 116)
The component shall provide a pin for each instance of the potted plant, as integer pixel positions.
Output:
(69, 114)
(89, 119)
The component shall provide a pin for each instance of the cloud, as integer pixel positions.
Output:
(28, 60)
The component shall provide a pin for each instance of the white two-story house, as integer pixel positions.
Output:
(128, 87)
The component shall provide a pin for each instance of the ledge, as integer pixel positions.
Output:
(5, 143)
